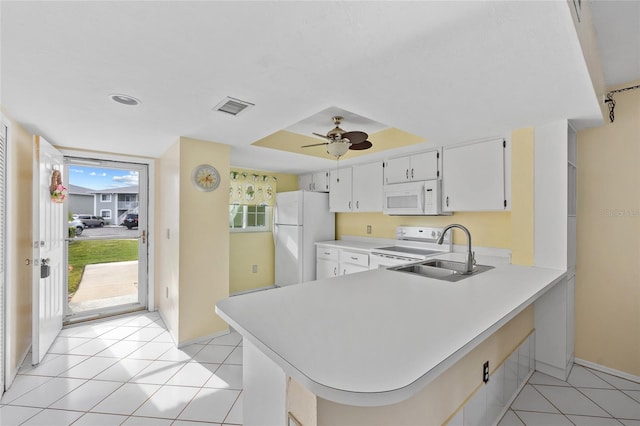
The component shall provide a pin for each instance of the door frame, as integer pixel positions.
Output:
(150, 163)
(4, 273)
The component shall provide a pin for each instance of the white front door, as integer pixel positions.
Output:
(48, 250)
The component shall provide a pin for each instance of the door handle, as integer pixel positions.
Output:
(411, 173)
(335, 271)
(407, 173)
(144, 236)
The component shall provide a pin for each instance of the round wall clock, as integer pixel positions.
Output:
(205, 177)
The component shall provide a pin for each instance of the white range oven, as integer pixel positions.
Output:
(413, 244)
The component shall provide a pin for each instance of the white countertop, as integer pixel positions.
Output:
(379, 336)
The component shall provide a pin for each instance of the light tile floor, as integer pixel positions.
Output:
(587, 398)
(127, 371)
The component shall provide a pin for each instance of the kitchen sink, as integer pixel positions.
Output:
(446, 270)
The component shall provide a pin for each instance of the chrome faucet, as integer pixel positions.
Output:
(471, 256)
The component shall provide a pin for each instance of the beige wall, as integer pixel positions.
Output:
(192, 259)
(19, 206)
(255, 248)
(607, 274)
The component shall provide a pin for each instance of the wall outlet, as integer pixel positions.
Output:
(368, 229)
(485, 372)
(254, 269)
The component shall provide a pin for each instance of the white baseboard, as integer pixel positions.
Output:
(203, 338)
(607, 370)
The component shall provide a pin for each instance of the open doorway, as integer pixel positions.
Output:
(107, 246)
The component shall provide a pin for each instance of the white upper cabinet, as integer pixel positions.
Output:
(367, 188)
(305, 182)
(474, 177)
(340, 199)
(318, 181)
(416, 167)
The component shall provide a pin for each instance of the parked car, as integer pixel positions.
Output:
(131, 220)
(91, 221)
(78, 225)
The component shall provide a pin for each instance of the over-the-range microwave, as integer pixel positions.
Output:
(413, 198)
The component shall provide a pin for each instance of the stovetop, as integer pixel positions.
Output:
(409, 250)
(417, 241)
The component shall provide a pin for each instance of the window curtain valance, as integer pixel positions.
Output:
(249, 188)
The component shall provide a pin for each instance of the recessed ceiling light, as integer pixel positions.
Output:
(125, 99)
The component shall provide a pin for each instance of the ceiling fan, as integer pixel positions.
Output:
(340, 141)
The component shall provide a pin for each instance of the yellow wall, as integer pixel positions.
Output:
(193, 263)
(607, 275)
(488, 229)
(255, 248)
(19, 203)
(522, 196)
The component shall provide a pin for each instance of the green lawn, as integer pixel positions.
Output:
(83, 253)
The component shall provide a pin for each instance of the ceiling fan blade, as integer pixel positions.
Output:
(355, 136)
(315, 144)
(322, 136)
(360, 146)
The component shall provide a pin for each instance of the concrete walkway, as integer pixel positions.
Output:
(106, 284)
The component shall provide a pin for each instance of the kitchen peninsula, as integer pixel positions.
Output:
(333, 350)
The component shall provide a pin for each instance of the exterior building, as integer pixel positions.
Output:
(81, 200)
(111, 204)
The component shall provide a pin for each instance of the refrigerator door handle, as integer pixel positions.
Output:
(273, 224)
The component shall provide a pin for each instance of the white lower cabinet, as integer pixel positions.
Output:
(352, 262)
(327, 259)
(326, 269)
(334, 261)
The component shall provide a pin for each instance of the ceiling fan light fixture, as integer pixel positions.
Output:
(338, 149)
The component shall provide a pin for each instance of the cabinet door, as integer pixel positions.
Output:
(305, 182)
(473, 177)
(424, 166)
(367, 187)
(321, 181)
(340, 190)
(326, 269)
(349, 268)
(397, 170)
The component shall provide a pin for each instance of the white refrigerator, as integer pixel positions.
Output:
(301, 218)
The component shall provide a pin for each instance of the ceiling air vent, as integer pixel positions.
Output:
(232, 106)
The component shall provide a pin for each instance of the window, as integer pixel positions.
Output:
(105, 198)
(105, 213)
(254, 218)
